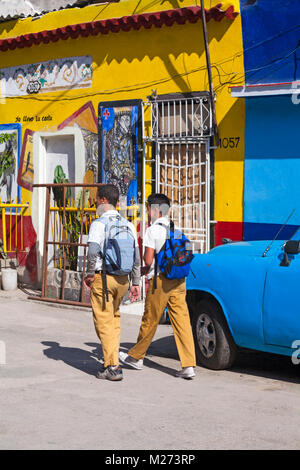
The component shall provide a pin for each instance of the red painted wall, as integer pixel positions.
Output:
(232, 230)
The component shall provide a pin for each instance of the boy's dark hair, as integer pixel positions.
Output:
(160, 200)
(110, 192)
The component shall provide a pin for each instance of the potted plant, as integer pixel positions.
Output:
(9, 274)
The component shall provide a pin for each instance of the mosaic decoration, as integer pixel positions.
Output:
(53, 75)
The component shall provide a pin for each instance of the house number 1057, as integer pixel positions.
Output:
(229, 142)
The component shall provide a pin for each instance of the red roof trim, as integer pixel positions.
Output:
(114, 25)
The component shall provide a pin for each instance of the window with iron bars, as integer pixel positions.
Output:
(181, 126)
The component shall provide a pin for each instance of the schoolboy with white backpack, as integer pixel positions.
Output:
(113, 256)
(168, 256)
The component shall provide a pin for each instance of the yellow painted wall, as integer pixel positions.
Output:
(128, 65)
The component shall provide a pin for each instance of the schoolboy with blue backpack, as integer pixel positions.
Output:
(168, 255)
(113, 256)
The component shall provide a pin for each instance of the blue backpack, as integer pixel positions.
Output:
(175, 257)
(118, 254)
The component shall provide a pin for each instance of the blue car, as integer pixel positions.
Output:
(245, 295)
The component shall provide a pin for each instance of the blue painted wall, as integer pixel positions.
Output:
(271, 36)
(272, 167)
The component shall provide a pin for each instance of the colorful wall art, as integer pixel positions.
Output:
(25, 174)
(53, 75)
(10, 146)
(120, 132)
(85, 119)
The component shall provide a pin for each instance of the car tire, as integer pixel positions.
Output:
(215, 348)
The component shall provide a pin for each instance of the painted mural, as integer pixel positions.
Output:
(54, 75)
(119, 133)
(25, 174)
(10, 141)
(85, 119)
(17, 171)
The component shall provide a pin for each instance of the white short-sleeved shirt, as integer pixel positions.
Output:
(155, 238)
(97, 234)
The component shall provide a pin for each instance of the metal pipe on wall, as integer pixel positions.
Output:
(208, 64)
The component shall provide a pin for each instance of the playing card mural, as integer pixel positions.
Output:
(119, 143)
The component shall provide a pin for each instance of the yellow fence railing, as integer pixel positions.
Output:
(61, 222)
(14, 212)
(13, 228)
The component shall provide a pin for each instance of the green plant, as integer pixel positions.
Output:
(7, 158)
(58, 193)
(72, 221)
(74, 227)
(4, 137)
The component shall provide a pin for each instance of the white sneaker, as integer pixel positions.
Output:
(130, 361)
(186, 373)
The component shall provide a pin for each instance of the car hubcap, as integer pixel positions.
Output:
(206, 335)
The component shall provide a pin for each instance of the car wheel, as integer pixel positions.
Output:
(215, 348)
(164, 318)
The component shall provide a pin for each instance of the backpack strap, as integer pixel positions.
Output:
(103, 256)
(103, 273)
(167, 227)
(155, 272)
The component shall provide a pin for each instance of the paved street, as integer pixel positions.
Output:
(50, 398)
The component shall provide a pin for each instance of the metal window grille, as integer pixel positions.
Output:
(180, 131)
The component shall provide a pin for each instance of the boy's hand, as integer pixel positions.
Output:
(134, 293)
(89, 281)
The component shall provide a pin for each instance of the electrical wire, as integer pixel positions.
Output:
(126, 88)
(269, 64)
(235, 77)
(251, 72)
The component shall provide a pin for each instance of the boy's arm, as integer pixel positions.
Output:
(149, 244)
(149, 255)
(96, 234)
(92, 254)
(136, 271)
(134, 291)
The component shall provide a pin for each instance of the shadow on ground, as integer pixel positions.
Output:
(269, 366)
(81, 359)
(255, 363)
(162, 347)
(90, 361)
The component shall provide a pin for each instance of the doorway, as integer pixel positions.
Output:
(64, 149)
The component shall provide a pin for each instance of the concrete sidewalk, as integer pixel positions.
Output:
(50, 398)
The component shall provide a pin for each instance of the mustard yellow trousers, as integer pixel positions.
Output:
(107, 319)
(169, 293)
